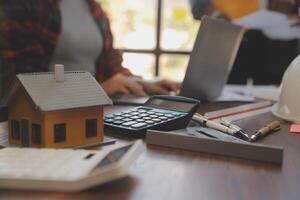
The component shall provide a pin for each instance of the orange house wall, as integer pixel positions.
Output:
(22, 108)
(75, 126)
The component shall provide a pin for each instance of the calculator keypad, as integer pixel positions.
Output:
(141, 117)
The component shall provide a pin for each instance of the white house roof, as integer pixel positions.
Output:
(79, 89)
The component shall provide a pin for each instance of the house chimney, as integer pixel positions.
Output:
(59, 72)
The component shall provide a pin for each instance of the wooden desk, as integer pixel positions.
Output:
(163, 173)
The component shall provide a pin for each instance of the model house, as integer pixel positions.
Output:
(61, 109)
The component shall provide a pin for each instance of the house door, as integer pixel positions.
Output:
(25, 133)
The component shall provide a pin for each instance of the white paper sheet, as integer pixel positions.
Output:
(266, 92)
(274, 25)
(249, 93)
(240, 93)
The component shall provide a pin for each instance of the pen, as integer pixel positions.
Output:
(212, 124)
(269, 128)
(239, 132)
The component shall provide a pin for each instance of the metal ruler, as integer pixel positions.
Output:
(240, 112)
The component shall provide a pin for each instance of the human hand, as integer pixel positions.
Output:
(127, 85)
(296, 20)
(161, 87)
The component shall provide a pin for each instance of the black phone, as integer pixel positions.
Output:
(160, 112)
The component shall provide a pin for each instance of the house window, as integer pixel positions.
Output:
(59, 133)
(15, 128)
(36, 134)
(91, 128)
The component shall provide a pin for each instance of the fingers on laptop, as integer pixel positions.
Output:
(133, 84)
(170, 85)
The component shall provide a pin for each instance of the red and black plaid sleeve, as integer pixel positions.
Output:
(28, 35)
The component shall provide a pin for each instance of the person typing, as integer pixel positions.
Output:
(36, 34)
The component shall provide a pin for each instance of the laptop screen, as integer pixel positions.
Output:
(212, 58)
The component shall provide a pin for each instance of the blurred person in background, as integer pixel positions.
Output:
(226, 9)
(36, 34)
(259, 58)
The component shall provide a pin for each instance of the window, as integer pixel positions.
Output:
(15, 129)
(145, 63)
(36, 134)
(91, 128)
(173, 66)
(151, 33)
(59, 133)
(24, 126)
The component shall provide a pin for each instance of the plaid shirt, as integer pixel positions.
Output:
(29, 33)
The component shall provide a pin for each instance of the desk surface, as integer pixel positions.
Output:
(164, 173)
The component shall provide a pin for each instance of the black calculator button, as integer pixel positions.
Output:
(176, 114)
(135, 117)
(159, 114)
(153, 116)
(147, 118)
(117, 122)
(144, 115)
(126, 119)
(134, 113)
(118, 118)
(149, 122)
(129, 123)
(150, 113)
(163, 118)
(169, 115)
(156, 120)
(126, 115)
(108, 120)
(140, 120)
(139, 125)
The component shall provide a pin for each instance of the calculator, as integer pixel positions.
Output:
(65, 170)
(159, 112)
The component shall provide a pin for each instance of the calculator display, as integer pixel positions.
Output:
(114, 156)
(172, 105)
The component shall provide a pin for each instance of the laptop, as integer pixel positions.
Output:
(210, 63)
(212, 59)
